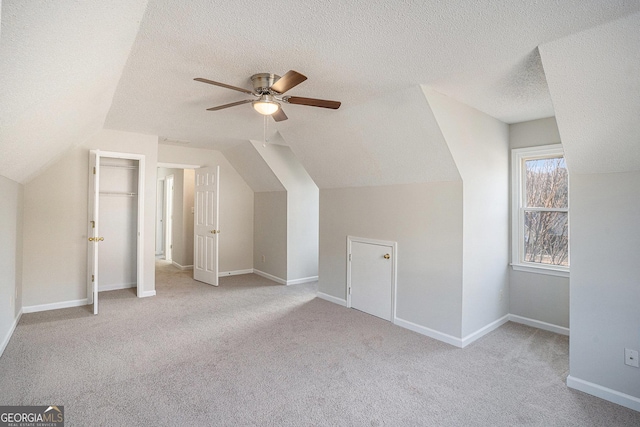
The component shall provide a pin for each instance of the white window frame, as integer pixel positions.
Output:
(518, 157)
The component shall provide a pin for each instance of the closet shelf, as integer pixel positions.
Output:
(132, 167)
(118, 193)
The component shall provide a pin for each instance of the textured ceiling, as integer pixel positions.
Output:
(60, 61)
(594, 77)
(253, 168)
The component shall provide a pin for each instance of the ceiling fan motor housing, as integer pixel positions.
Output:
(263, 81)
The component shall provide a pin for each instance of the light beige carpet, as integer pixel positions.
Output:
(252, 352)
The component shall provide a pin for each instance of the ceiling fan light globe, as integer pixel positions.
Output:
(266, 108)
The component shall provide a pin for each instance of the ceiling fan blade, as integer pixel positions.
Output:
(334, 105)
(279, 115)
(289, 80)
(211, 82)
(233, 104)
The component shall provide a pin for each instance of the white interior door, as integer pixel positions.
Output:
(205, 229)
(372, 278)
(93, 231)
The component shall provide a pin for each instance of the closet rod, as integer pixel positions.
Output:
(119, 166)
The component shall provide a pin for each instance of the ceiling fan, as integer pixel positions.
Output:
(268, 88)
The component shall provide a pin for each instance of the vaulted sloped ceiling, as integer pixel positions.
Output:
(60, 63)
(392, 140)
(594, 79)
(253, 168)
(61, 60)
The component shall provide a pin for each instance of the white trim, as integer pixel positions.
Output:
(54, 306)
(517, 193)
(302, 280)
(431, 333)
(7, 338)
(182, 267)
(270, 277)
(394, 268)
(145, 294)
(234, 272)
(140, 213)
(116, 287)
(484, 330)
(331, 298)
(539, 324)
(177, 166)
(605, 393)
(541, 269)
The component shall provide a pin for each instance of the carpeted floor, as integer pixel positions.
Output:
(252, 352)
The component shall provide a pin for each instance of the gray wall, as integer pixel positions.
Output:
(605, 272)
(426, 221)
(11, 209)
(270, 233)
(479, 145)
(535, 296)
(302, 209)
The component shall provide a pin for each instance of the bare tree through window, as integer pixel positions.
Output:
(546, 217)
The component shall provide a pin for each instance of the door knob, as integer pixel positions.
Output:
(214, 231)
(96, 239)
(387, 256)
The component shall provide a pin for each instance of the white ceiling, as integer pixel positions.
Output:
(60, 62)
(598, 106)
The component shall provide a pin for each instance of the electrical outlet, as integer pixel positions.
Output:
(263, 258)
(631, 357)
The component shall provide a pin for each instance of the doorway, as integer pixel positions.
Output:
(371, 276)
(116, 223)
(189, 223)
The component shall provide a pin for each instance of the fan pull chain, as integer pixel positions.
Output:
(264, 138)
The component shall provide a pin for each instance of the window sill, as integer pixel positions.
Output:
(551, 271)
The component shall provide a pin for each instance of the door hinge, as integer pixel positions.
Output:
(93, 224)
(93, 278)
(94, 170)
(349, 291)
(349, 257)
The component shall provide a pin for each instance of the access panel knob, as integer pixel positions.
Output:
(387, 256)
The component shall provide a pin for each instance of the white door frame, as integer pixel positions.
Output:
(160, 215)
(394, 268)
(93, 216)
(168, 217)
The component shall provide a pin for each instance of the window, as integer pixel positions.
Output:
(540, 214)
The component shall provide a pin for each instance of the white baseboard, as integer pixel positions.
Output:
(484, 331)
(145, 294)
(117, 287)
(54, 306)
(270, 277)
(9, 334)
(182, 267)
(538, 324)
(431, 333)
(331, 298)
(303, 280)
(605, 393)
(235, 272)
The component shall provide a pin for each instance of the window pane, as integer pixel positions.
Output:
(546, 238)
(546, 183)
